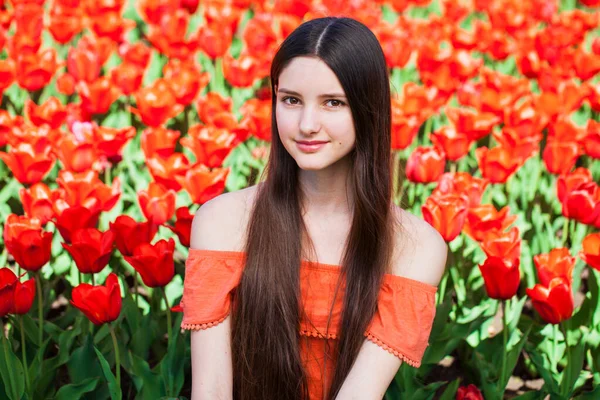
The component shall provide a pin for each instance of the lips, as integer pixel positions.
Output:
(311, 142)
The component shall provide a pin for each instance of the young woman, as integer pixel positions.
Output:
(313, 284)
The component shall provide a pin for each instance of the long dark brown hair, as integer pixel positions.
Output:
(267, 304)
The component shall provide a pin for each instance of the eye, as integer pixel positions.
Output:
(337, 103)
(289, 98)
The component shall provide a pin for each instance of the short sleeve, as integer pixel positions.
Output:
(404, 318)
(210, 277)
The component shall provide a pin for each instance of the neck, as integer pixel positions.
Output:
(327, 192)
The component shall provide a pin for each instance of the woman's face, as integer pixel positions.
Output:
(311, 107)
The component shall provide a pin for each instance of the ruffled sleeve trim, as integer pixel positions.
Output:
(206, 325)
(385, 346)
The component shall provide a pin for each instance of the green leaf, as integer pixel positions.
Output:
(11, 371)
(75, 391)
(593, 395)
(171, 367)
(113, 386)
(574, 366)
(145, 380)
(532, 395)
(426, 392)
(513, 357)
(450, 392)
(549, 381)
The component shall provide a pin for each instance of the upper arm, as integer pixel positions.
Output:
(216, 226)
(375, 367)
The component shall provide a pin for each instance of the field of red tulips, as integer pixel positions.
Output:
(120, 118)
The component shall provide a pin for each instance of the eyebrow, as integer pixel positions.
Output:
(283, 90)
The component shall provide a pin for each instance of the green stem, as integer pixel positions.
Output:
(93, 280)
(117, 357)
(24, 353)
(555, 348)
(5, 344)
(501, 384)
(40, 310)
(565, 232)
(563, 328)
(107, 175)
(168, 314)
(135, 288)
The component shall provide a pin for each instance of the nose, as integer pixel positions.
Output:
(309, 121)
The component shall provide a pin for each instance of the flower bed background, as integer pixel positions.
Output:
(119, 119)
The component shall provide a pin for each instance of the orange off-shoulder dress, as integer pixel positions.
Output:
(401, 325)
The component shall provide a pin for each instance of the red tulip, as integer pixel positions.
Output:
(453, 143)
(156, 103)
(51, 112)
(110, 141)
(26, 242)
(186, 80)
(462, 183)
(560, 156)
(37, 202)
(24, 293)
(582, 203)
(501, 244)
(484, 218)
(210, 145)
(203, 184)
(101, 304)
(257, 118)
(558, 262)
(157, 203)
(501, 277)
(98, 96)
(240, 72)
(183, 225)
(8, 282)
(591, 250)
(166, 170)
(473, 123)
(425, 164)
(35, 70)
(129, 234)
(569, 181)
(75, 155)
(29, 163)
(74, 218)
(128, 77)
(159, 142)
(91, 249)
(470, 392)
(497, 164)
(553, 302)
(212, 104)
(154, 262)
(86, 189)
(446, 213)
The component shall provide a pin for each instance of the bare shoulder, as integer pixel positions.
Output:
(420, 251)
(220, 223)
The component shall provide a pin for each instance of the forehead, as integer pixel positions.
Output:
(309, 76)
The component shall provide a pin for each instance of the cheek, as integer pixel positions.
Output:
(286, 123)
(341, 131)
